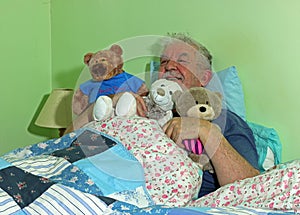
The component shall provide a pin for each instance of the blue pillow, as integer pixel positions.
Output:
(226, 82)
(268, 146)
(232, 91)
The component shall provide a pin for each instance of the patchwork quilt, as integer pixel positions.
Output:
(128, 166)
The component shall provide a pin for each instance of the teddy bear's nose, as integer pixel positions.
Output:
(202, 109)
(99, 69)
(160, 92)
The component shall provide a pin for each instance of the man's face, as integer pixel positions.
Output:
(179, 63)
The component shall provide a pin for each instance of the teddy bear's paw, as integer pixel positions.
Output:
(126, 105)
(102, 108)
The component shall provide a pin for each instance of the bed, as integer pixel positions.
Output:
(128, 166)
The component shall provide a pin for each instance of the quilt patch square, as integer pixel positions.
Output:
(22, 186)
(87, 144)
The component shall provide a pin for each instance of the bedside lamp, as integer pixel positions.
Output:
(57, 110)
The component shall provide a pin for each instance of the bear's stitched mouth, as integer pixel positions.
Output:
(99, 70)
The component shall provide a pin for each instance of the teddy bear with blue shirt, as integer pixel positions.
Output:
(108, 78)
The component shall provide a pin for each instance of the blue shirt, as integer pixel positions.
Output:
(122, 82)
(240, 136)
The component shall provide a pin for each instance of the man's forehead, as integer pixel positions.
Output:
(177, 49)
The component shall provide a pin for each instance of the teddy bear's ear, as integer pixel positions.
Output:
(219, 95)
(117, 49)
(87, 57)
(176, 95)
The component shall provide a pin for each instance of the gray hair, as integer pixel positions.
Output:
(202, 50)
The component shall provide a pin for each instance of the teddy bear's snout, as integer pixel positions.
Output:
(99, 69)
(160, 92)
(202, 109)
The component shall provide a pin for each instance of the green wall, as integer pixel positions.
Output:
(25, 69)
(44, 50)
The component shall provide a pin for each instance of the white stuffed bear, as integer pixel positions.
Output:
(159, 103)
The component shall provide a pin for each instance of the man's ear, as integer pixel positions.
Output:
(206, 76)
(87, 57)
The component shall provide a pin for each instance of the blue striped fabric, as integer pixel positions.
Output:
(7, 204)
(43, 165)
(59, 199)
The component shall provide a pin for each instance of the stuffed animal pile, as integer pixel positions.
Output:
(108, 78)
(159, 103)
(200, 103)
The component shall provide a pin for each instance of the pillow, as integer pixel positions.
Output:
(226, 82)
(268, 146)
(232, 90)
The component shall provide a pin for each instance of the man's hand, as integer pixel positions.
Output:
(180, 128)
(141, 108)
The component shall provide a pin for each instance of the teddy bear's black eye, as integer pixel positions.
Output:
(171, 92)
(162, 85)
(197, 102)
(207, 102)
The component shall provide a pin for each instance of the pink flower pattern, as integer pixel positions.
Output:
(277, 189)
(171, 177)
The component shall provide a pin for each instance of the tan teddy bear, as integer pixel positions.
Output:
(201, 103)
(108, 78)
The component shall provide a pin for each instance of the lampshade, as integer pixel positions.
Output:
(57, 111)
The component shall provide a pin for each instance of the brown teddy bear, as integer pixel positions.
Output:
(201, 103)
(108, 78)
